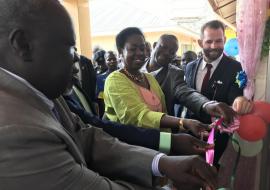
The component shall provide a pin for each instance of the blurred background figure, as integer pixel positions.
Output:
(99, 61)
(187, 57)
(96, 48)
(148, 49)
(111, 64)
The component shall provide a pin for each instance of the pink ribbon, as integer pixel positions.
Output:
(218, 124)
(210, 153)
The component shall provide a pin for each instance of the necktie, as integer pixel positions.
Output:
(206, 79)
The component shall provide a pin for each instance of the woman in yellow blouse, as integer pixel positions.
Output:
(132, 97)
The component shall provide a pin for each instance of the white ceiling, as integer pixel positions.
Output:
(109, 17)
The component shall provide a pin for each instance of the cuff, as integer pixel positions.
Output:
(206, 103)
(165, 142)
(155, 164)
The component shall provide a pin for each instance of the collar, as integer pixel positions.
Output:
(48, 102)
(213, 63)
(145, 70)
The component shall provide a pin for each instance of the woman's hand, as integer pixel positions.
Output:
(196, 127)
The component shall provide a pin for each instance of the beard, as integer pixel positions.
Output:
(212, 54)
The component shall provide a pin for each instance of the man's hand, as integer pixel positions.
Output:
(184, 144)
(188, 172)
(196, 127)
(221, 110)
(242, 105)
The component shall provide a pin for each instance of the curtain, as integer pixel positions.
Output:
(250, 20)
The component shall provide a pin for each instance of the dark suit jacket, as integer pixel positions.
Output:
(226, 92)
(225, 72)
(130, 134)
(89, 77)
(176, 91)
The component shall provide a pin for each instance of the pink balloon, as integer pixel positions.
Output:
(252, 127)
(262, 109)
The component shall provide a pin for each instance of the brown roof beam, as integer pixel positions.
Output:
(225, 5)
(230, 16)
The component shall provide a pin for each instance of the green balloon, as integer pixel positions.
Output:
(248, 148)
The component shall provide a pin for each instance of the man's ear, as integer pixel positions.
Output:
(200, 43)
(20, 44)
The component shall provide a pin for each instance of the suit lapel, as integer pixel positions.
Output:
(194, 72)
(88, 99)
(160, 77)
(42, 111)
(70, 127)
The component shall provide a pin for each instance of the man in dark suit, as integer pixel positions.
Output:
(87, 76)
(221, 85)
(174, 87)
(214, 75)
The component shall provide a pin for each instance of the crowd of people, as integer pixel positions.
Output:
(67, 124)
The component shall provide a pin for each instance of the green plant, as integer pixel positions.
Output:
(266, 40)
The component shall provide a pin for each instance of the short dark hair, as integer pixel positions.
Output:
(166, 36)
(214, 24)
(189, 56)
(99, 56)
(123, 35)
(110, 52)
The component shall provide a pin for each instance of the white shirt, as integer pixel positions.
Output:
(153, 73)
(48, 102)
(202, 71)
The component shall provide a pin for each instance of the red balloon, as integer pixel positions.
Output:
(252, 127)
(262, 109)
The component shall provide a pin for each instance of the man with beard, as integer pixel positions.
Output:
(221, 84)
(214, 74)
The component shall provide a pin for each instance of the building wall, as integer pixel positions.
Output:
(79, 12)
(185, 42)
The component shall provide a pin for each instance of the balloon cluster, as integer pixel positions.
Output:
(253, 128)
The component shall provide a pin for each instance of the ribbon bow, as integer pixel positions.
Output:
(222, 128)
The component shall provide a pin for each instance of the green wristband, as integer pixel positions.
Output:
(165, 142)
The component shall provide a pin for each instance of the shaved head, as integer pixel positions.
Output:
(167, 37)
(37, 43)
(165, 50)
(19, 13)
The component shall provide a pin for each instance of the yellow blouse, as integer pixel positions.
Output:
(125, 104)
